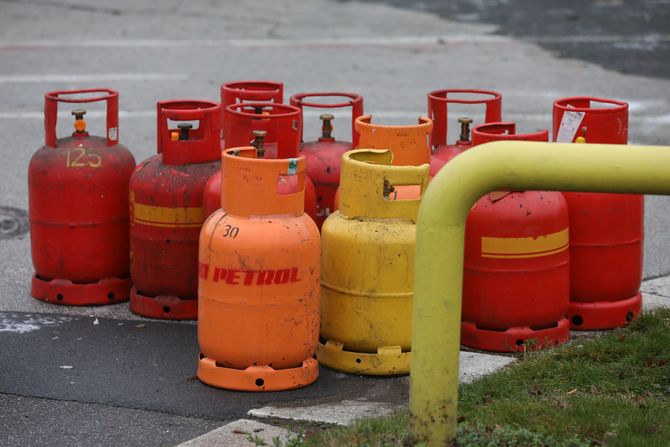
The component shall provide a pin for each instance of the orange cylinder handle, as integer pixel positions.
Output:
(251, 185)
(409, 144)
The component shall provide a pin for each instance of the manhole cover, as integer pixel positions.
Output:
(13, 222)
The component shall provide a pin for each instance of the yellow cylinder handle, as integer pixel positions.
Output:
(365, 177)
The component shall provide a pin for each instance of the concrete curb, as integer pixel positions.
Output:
(341, 413)
(240, 433)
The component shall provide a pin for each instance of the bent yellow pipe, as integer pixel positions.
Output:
(502, 165)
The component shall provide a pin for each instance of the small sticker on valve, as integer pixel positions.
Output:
(113, 133)
(569, 126)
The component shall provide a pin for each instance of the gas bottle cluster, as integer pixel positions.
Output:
(293, 253)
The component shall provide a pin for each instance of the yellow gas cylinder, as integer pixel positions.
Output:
(367, 267)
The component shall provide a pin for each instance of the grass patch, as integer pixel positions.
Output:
(612, 390)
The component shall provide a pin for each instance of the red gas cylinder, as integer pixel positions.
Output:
(606, 230)
(516, 270)
(324, 156)
(166, 194)
(249, 91)
(258, 322)
(78, 194)
(438, 103)
(281, 124)
(485, 133)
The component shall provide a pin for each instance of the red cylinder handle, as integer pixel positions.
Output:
(438, 101)
(604, 120)
(52, 99)
(250, 91)
(355, 102)
(257, 91)
(203, 144)
(282, 122)
(487, 132)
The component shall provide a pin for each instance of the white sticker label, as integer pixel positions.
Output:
(113, 133)
(569, 126)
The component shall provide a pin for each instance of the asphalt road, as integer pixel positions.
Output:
(97, 368)
(629, 36)
(134, 385)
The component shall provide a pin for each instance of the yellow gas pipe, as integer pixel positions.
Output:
(501, 165)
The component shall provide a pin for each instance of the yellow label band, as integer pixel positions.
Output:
(525, 247)
(162, 216)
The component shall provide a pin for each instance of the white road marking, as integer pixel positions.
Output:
(172, 43)
(89, 114)
(648, 39)
(371, 41)
(647, 119)
(28, 78)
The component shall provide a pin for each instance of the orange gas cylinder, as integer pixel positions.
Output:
(258, 320)
(281, 124)
(249, 91)
(166, 210)
(409, 145)
(516, 273)
(324, 156)
(438, 103)
(606, 230)
(78, 194)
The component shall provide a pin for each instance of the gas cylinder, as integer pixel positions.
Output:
(249, 91)
(166, 193)
(438, 103)
(408, 143)
(78, 194)
(367, 267)
(258, 320)
(324, 155)
(499, 131)
(606, 230)
(281, 124)
(516, 271)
